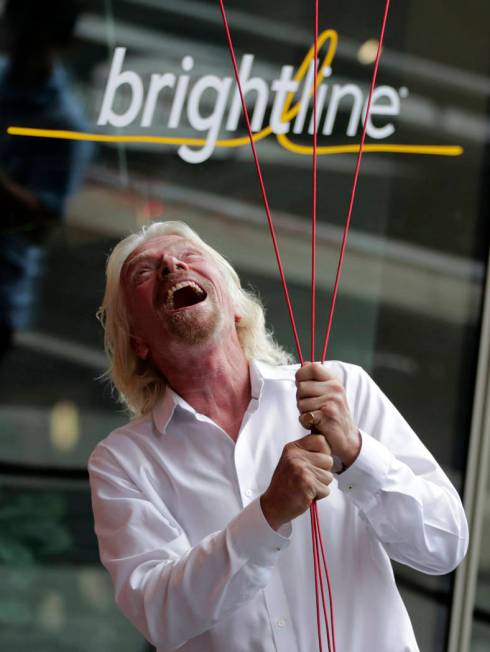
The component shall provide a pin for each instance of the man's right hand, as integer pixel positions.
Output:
(302, 475)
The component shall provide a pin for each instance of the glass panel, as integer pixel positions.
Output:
(410, 297)
(53, 593)
(480, 639)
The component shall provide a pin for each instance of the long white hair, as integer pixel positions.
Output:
(138, 383)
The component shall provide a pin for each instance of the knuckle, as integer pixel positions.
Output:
(301, 404)
(318, 371)
(323, 492)
(329, 408)
(296, 467)
(305, 485)
(323, 446)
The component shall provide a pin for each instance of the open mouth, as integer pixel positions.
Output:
(183, 295)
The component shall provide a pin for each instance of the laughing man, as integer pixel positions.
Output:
(201, 501)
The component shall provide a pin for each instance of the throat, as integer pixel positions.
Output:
(231, 424)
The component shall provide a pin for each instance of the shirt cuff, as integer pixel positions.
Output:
(252, 538)
(363, 480)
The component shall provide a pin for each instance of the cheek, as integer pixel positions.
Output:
(140, 308)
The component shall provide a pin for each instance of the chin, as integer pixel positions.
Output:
(193, 329)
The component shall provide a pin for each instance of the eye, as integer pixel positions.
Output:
(142, 273)
(191, 255)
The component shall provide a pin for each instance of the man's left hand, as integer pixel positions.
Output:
(322, 403)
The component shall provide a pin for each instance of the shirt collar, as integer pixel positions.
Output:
(171, 401)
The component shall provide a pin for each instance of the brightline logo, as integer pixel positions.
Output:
(285, 118)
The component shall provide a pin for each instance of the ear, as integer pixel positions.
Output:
(139, 347)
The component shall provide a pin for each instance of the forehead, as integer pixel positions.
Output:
(159, 244)
(164, 244)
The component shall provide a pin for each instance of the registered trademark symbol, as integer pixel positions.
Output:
(403, 91)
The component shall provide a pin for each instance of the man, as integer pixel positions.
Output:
(201, 502)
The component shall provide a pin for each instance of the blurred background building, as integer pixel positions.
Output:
(414, 302)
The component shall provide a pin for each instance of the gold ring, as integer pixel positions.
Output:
(311, 419)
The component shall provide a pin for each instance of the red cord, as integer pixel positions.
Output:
(317, 538)
(315, 520)
(314, 189)
(317, 575)
(321, 545)
(354, 183)
(261, 183)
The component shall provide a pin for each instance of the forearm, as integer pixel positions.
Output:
(172, 596)
(419, 520)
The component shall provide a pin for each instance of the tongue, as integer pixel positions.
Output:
(186, 297)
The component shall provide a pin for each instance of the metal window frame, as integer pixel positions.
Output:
(477, 469)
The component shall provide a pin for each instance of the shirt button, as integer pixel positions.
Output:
(249, 493)
(349, 487)
(281, 622)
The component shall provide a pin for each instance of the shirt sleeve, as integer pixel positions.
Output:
(169, 590)
(401, 492)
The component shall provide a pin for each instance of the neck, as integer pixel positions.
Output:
(215, 381)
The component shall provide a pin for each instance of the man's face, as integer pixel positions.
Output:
(175, 294)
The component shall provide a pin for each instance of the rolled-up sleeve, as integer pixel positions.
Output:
(399, 489)
(172, 591)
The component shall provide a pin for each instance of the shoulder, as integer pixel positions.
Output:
(121, 445)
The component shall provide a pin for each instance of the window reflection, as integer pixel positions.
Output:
(410, 301)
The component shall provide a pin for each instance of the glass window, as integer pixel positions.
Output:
(409, 306)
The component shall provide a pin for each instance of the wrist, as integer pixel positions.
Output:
(352, 452)
(269, 513)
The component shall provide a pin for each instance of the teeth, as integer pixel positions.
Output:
(178, 286)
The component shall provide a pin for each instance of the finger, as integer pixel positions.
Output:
(309, 388)
(323, 477)
(313, 443)
(322, 461)
(322, 490)
(311, 404)
(313, 371)
(311, 419)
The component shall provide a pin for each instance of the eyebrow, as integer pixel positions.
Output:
(147, 255)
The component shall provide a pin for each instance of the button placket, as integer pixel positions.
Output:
(279, 614)
(244, 466)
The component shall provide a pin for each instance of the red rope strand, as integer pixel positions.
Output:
(354, 183)
(317, 536)
(319, 554)
(314, 189)
(317, 574)
(315, 521)
(261, 183)
(321, 545)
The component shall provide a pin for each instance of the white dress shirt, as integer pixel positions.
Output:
(196, 566)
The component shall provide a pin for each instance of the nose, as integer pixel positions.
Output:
(171, 264)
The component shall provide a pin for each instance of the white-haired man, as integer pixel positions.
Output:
(201, 502)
